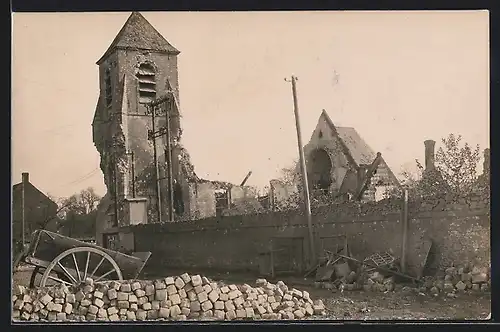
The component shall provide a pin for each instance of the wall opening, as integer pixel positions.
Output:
(107, 87)
(320, 169)
(178, 199)
(111, 241)
(147, 83)
(221, 201)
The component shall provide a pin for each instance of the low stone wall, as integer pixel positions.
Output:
(172, 298)
(460, 231)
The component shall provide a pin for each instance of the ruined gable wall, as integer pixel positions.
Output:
(331, 144)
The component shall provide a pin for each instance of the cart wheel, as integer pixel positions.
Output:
(39, 271)
(36, 270)
(78, 264)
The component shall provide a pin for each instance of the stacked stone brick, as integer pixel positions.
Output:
(172, 298)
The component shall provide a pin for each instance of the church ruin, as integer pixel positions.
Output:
(139, 67)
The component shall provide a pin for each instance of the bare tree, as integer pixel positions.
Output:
(89, 200)
(290, 175)
(77, 212)
(82, 203)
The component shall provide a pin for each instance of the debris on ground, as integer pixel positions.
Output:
(172, 298)
(454, 280)
(382, 260)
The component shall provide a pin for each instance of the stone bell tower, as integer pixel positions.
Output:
(138, 67)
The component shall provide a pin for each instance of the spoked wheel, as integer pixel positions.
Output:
(35, 272)
(38, 272)
(75, 265)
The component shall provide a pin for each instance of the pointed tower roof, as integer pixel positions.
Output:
(138, 34)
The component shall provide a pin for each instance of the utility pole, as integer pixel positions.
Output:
(305, 185)
(133, 173)
(25, 181)
(153, 135)
(114, 167)
(404, 219)
(168, 159)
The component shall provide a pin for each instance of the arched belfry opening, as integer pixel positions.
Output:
(319, 171)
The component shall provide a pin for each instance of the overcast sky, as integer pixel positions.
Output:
(402, 78)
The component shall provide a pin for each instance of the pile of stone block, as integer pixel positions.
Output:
(454, 279)
(462, 279)
(172, 298)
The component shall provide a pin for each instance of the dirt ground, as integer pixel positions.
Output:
(359, 305)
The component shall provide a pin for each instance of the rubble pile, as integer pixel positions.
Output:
(375, 282)
(452, 280)
(172, 298)
(461, 279)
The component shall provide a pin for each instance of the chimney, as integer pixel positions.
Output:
(429, 154)
(26, 177)
(486, 162)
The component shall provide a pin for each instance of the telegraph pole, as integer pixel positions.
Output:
(305, 185)
(114, 167)
(24, 184)
(153, 135)
(133, 173)
(168, 159)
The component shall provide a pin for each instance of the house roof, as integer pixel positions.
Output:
(18, 186)
(354, 145)
(359, 149)
(138, 34)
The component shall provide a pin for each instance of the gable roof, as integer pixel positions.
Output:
(138, 34)
(358, 148)
(18, 187)
(355, 147)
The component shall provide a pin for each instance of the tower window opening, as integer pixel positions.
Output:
(108, 90)
(147, 83)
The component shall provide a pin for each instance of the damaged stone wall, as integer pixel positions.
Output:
(283, 196)
(243, 200)
(459, 232)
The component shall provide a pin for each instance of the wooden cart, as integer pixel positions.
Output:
(64, 260)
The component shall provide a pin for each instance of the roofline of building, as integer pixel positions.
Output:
(391, 173)
(126, 48)
(39, 191)
(345, 149)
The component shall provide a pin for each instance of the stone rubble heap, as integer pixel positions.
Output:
(375, 281)
(172, 298)
(453, 280)
(461, 279)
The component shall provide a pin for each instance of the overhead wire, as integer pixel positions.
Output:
(84, 177)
